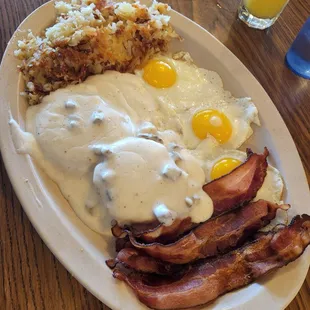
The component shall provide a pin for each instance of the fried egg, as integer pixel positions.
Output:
(196, 98)
(227, 160)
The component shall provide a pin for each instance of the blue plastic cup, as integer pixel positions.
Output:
(298, 56)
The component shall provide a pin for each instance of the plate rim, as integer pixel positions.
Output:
(16, 182)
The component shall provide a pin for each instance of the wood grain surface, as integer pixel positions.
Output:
(30, 275)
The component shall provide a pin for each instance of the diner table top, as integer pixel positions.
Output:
(30, 275)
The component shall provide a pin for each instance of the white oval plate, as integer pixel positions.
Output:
(84, 252)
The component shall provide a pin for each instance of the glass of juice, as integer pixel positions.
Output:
(261, 14)
(298, 56)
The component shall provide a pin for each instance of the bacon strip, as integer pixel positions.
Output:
(214, 237)
(166, 234)
(155, 231)
(137, 260)
(209, 279)
(240, 186)
(223, 229)
(122, 243)
(228, 192)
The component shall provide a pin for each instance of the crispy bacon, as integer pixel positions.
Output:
(122, 243)
(217, 236)
(240, 186)
(210, 278)
(166, 234)
(228, 192)
(155, 231)
(137, 260)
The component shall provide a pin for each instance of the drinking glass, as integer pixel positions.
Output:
(298, 56)
(261, 14)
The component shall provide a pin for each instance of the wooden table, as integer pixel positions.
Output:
(30, 275)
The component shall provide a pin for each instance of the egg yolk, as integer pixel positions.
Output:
(212, 122)
(159, 74)
(224, 166)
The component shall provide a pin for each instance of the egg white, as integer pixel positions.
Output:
(272, 188)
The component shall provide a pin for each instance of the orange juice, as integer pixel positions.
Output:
(265, 8)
